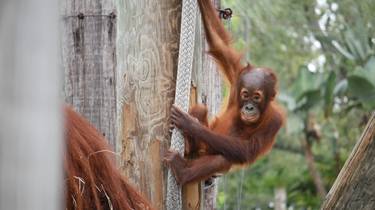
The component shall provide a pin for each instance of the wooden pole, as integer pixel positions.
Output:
(147, 62)
(89, 59)
(30, 111)
(210, 91)
(354, 187)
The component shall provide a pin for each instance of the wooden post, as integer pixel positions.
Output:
(354, 187)
(210, 91)
(147, 61)
(30, 111)
(89, 60)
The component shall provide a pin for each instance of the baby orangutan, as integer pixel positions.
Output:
(247, 126)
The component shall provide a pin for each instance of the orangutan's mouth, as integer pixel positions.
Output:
(249, 116)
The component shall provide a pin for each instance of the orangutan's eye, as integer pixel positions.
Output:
(245, 94)
(257, 97)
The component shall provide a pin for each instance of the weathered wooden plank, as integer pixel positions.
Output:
(30, 110)
(210, 92)
(89, 60)
(354, 187)
(208, 79)
(147, 52)
(88, 7)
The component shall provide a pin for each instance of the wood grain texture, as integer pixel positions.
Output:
(206, 76)
(147, 52)
(88, 7)
(210, 87)
(89, 60)
(354, 187)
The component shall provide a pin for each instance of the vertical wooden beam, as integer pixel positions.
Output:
(209, 81)
(211, 91)
(147, 61)
(354, 187)
(30, 112)
(89, 60)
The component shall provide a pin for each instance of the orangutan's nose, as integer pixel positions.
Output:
(249, 107)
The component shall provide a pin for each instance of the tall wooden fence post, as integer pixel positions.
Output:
(89, 59)
(147, 52)
(30, 111)
(354, 187)
(209, 90)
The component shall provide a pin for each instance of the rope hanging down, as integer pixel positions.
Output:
(184, 69)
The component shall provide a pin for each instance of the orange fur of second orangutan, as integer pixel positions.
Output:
(92, 180)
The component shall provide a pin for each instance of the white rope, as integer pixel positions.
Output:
(184, 69)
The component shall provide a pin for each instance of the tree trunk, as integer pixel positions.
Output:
(147, 51)
(312, 133)
(89, 60)
(314, 173)
(354, 187)
(30, 108)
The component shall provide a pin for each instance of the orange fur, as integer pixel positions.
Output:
(247, 126)
(91, 177)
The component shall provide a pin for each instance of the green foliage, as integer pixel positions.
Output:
(362, 89)
(324, 55)
(329, 94)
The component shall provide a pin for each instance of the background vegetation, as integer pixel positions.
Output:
(324, 54)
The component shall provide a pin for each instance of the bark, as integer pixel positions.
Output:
(314, 172)
(30, 108)
(354, 187)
